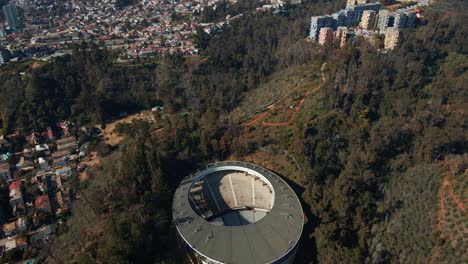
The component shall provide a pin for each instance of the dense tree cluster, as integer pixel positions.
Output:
(383, 118)
(388, 114)
(84, 87)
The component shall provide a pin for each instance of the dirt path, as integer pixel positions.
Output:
(457, 201)
(296, 109)
(291, 117)
(256, 119)
(445, 187)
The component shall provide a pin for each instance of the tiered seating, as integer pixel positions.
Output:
(198, 197)
(221, 192)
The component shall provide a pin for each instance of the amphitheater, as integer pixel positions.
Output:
(237, 212)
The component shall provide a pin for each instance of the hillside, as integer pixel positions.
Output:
(373, 142)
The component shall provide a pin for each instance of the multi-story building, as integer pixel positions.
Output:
(341, 36)
(318, 22)
(3, 56)
(341, 17)
(13, 22)
(383, 20)
(355, 17)
(410, 18)
(355, 2)
(368, 19)
(392, 36)
(326, 36)
(400, 20)
(350, 16)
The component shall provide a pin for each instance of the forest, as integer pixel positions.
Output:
(369, 154)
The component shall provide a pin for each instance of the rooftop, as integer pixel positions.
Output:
(238, 212)
(42, 201)
(15, 185)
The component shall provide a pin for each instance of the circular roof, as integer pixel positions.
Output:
(265, 240)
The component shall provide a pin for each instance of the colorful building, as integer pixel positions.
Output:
(318, 22)
(368, 19)
(392, 36)
(325, 36)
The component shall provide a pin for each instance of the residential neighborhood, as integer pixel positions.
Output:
(37, 171)
(43, 30)
(362, 18)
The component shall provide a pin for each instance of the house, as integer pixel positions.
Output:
(5, 171)
(68, 143)
(8, 243)
(9, 229)
(43, 234)
(34, 138)
(13, 242)
(16, 197)
(58, 163)
(61, 153)
(14, 227)
(42, 148)
(21, 242)
(25, 164)
(43, 203)
(65, 172)
(21, 223)
(65, 126)
(42, 165)
(64, 202)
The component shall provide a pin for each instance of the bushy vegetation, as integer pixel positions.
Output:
(409, 212)
(387, 114)
(84, 87)
(366, 145)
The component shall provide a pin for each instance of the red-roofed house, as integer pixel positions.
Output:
(16, 197)
(43, 203)
(16, 184)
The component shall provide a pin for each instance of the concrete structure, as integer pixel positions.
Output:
(400, 20)
(294, 2)
(363, 5)
(359, 9)
(383, 20)
(12, 18)
(368, 19)
(318, 22)
(237, 212)
(4, 55)
(350, 16)
(341, 36)
(325, 36)
(410, 18)
(5, 166)
(355, 2)
(404, 18)
(392, 36)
